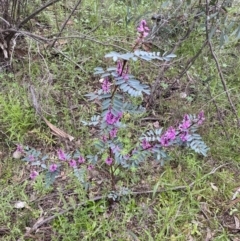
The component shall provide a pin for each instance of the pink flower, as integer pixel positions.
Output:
(81, 160)
(20, 149)
(145, 144)
(106, 86)
(164, 140)
(53, 167)
(170, 135)
(186, 123)
(61, 155)
(112, 119)
(113, 132)
(201, 117)
(72, 163)
(90, 167)
(143, 28)
(119, 67)
(184, 136)
(33, 175)
(109, 161)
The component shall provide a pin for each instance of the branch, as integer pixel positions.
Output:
(41, 221)
(65, 23)
(36, 12)
(218, 66)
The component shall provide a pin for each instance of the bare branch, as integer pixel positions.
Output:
(36, 12)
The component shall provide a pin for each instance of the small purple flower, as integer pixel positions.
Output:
(112, 119)
(201, 117)
(61, 155)
(31, 158)
(113, 132)
(81, 160)
(164, 140)
(53, 167)
(143, 28)
(33, 175)
(90, 167)
(119, 67)
(125, 74)
(20, 149)
(184, 136)
(145, 144)
(106, 85)
(109, 161)
(186, 123)
(171, 133)
(72, 163)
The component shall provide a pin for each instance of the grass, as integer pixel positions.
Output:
(61, 78)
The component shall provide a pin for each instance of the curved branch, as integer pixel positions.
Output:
(36, 12)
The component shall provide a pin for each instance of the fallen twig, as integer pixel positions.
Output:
(220, 73)
(42, 221)
(66, 21)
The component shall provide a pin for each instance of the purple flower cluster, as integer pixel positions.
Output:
(53, 167)
(109, 161)
(182, 131)
(145, 144)
(186, 123)
(183, 127)
(143, 28)
(111, 119)
(168, 136)
(33, 174)
(61, 155)
(113, 133)
(201, 118)
(106, 85)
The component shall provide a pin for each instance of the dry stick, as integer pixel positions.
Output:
(50, 218)
(65, 23)
(192, 60)
(36, 12)
(218, 65)
(218, 112)
(224, 83)
(164, 68)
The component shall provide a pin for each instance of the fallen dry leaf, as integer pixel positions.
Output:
(57, 131)
(235, 194)
(237, 223)
(214, 187)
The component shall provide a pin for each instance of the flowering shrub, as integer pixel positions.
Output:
(117, 89)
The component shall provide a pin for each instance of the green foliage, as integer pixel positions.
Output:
(50, 177)
(16, 116)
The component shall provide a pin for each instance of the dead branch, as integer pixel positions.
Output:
(41, 221)
(36, 12)
(220, 73)
(65, 23)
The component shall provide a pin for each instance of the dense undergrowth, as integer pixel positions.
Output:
(191, 197)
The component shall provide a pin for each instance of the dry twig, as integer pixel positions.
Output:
(42, 221)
